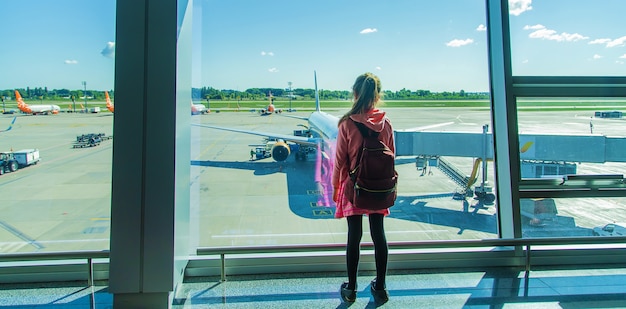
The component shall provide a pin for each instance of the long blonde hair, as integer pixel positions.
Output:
(366, 90)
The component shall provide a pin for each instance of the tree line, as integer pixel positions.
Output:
(39, 93)
(256, 94)
(252, 94)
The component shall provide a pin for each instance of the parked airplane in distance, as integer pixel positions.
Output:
(10, 126)
(44, 109)
(199, 109)
(270, 109)
(110, 106)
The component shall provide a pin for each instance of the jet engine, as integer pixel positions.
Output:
(280, 151)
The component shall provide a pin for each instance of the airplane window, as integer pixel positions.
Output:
(264, 152)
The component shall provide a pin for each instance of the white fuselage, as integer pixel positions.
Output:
(43, 109)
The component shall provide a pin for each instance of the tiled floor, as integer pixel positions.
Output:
(493, 288)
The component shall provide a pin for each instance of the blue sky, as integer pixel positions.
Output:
(57, 44)
(238, 44)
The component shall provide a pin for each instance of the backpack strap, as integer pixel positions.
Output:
(365, 132)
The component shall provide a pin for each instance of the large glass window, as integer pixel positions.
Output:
(569, 134)
(566, 38)
(571, 146)
(250, 58)
(55, 187)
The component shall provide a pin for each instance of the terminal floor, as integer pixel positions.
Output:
(492, 288)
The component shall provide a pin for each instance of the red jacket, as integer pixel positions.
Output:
(350, 140)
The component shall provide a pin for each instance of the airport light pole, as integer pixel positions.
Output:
(290, 95)
(85, 94)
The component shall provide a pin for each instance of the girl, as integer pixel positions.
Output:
(366, 91)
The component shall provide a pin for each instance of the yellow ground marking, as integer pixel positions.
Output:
(326, 212)
(210, 146)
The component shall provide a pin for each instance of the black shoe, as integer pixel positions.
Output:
(380, 296)
(348, 296)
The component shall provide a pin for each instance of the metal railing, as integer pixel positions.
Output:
(527, 243)
(57, 256)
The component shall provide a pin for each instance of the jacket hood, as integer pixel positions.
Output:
(373, 119)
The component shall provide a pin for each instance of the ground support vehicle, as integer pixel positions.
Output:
(26, 157)
(90, 140)
(7, 163)
(262, 153)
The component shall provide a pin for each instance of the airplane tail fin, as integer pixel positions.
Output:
(317, 95)
(10, 126)
(21, 105)
(110, 106)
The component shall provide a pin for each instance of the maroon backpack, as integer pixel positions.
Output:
(372, 183)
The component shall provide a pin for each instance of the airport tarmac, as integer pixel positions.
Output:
(63, 203)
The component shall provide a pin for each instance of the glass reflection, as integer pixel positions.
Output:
(573, 217)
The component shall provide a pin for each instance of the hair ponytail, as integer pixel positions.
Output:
(366, 91)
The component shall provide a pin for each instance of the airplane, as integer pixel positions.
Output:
(44, 109)
(10, 126)
(320, 137)
(320, 133)
(196, 109)
(199, 109)
(110, 105)
(270, 109)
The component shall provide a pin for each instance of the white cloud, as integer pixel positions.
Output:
(273, 70)
(517, 7)
(481, 27)
(267, 53)
(541, 32)
(596, 56)
(525, 61)
(617, 42)
(368, 30)
(459, 43)
(534, 27)
(71, 61)
(619, 62)
(379, 68)
(609, 42)
(600, 41)
(622, 56)
(109, 50)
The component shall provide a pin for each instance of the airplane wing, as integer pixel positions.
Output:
(443, 124)
(309, 141)
(294, 116)
(10, 126)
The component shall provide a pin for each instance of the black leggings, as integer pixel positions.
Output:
(355, 232)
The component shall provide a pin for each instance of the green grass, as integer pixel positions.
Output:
(531, 105)
(524, 105)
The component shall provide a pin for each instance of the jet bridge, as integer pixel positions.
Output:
(591, 148)
(545, 147)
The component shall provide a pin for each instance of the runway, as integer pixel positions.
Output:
(63, 203)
